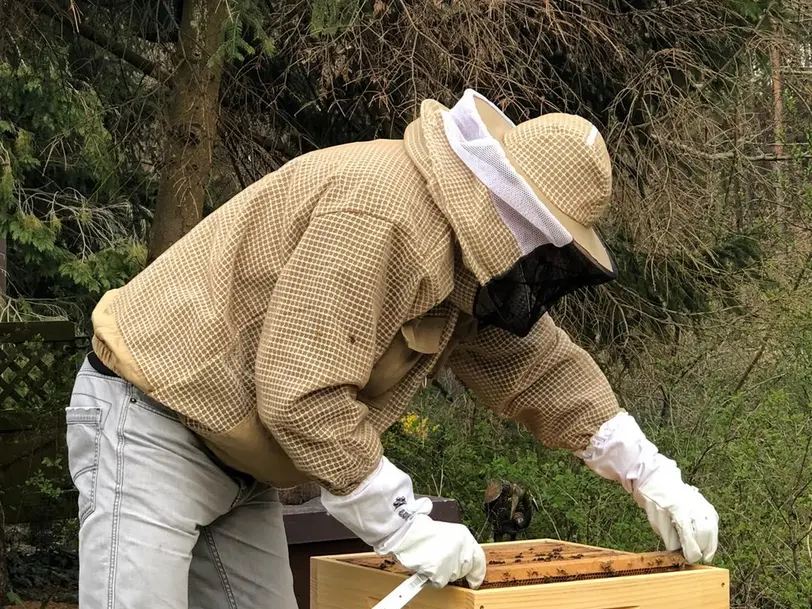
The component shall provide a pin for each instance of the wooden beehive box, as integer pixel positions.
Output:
(534, 574)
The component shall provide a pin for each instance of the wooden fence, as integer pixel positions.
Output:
(38, 363)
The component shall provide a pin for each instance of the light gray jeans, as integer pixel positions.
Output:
(162, 524)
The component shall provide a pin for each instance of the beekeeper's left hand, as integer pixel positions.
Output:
(677, 511)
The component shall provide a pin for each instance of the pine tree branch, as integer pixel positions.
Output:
(149, 68)
(109, 44)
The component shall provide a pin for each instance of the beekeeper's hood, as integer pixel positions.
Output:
(522, 200)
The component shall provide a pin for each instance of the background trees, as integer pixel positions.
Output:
(123, 122)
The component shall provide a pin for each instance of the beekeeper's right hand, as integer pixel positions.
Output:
(443, 551)
(384, 513)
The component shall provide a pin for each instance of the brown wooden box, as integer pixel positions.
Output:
(522, 575)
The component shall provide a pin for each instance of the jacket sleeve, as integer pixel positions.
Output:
(543, 381)
(341, 297)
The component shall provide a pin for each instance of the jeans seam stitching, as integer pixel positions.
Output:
(137, 400)
(93, 468)
(88, 394)
(155, 411)
(116, 519)
(103, 377)
(94, 476)
(218, 565)
(242, 492)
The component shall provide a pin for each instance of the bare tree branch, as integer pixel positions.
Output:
(109, 44)
(730, 154)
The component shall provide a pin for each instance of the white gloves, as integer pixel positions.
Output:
(384, 513)
(677, 512)
(443, 551)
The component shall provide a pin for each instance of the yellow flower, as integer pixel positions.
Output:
(417, 426)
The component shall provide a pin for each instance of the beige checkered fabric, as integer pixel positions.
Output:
(295, 323)
(549, 385)
(566, 159)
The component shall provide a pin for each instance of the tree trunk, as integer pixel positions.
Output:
(778, 126)
(190, 140)
(191, 129)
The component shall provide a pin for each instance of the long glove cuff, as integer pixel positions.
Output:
(677, 512)
(380, 510)
(621, 452)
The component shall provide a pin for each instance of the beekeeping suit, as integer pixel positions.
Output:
(295, 323)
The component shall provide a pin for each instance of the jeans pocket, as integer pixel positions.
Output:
(83, 442)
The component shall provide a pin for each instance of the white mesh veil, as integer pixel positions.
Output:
(531, 223)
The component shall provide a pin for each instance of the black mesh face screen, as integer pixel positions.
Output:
(518, 299)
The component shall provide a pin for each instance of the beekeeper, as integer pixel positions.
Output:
(275, 342)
